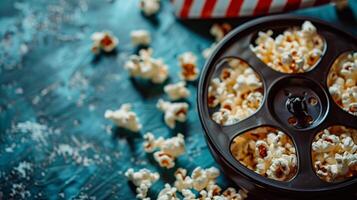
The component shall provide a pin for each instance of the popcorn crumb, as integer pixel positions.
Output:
(173, 112)
(143, 180)
(188, 64)
(149, 7)
(124, 117)
(140, 37)
(168, 150)
(146, 67)
(103, 41)
(177, 91)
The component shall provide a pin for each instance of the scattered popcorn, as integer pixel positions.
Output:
(149, 7)
(168, 150)
(177, 91)
(294, 51)
(267, 151)
(168, 193)
(144, 66)
(143, 180)
(188, 63)
(124, 118)
(238, 92)
(201, 178)
(334, 153)
(220, 30)
(103, 41)
(342, 82)
(140, 37)
(173, 112)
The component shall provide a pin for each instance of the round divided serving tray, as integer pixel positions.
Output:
(285, 95)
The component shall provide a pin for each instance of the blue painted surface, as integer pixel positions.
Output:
(49, 76)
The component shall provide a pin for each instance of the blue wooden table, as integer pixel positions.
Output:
(54, 140)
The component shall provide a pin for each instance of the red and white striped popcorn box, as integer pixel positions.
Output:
(238, 8)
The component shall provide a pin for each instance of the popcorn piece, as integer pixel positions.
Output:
(220, 30)
(294, 51)
(146, 67)
(177, 91)
(124, 118)
(334, 153)
(168, 150)
(266, 151)
(189, 71)
(140, 37)
(103, 41)
(149, 7)
(183, 182)
(342, 82)
(168, 193)
(173, 112)
(201, 178)
(143, 180)
(237, 92)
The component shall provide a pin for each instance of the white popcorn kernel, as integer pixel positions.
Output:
(143, 180)
(188, 64)
(168, 150)
(124, 117)
(177, 91)
(164, 159)
(202, 177)
(149, 7)
(140, 37)
(183, 182)
(279, 169)
(103, 41)
(168, 193)
(248, 81)
(188, 195)
(231, 193)
(173, 112)
(146, 67)
(220, 30)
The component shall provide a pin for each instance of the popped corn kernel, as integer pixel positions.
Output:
(168, 193)
(220, 30)
(168, 149)
(177, 90)
(149, 7)
(342, 82)
(188, 64)
(201, 178)
(146, 67)
(267, 151)
(140, 37)
(334, 153)
(182, 182)
(124, 117)
(173, 112)
(296, 50)
(238, 92)
(103, 41)
(143, 180)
